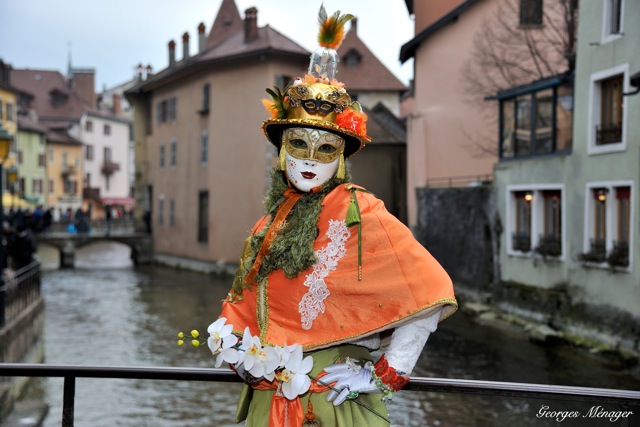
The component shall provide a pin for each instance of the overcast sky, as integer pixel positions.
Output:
(113, 36)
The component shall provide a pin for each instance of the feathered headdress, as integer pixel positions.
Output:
(331, 28)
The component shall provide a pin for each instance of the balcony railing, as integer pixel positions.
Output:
(549, 245)
(108, 168)
(521, 242)
(492, 388)
(608, 134)
(67, 170)
(619, 255)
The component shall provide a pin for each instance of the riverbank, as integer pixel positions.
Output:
(541, 333)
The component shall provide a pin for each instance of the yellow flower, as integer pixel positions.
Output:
(195, 333)
(195, 343)
(180, 342)
(181, 335)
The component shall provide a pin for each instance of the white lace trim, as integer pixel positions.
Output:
(312, 302)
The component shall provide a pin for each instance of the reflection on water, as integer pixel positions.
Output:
(106, 312)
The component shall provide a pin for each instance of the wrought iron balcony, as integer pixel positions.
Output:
(608, 134)
(619, 255)
(549, 246)
(521, 242)
(67, 170)
(109, 167)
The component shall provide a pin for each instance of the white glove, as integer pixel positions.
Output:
(352, 379)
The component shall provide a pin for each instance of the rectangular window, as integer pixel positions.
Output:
(88, 126)
(107, 129)
(543, 131)
(206, 93)
(550, 243)
(203, 216)
(42, 160)
(523, 125)
(204, 147)
(172, 212)
(531, 12)
(608, 225)
(107, 155)
(522, 233)
(507, 123)
(535, 223)
(1, 110)
(537, 122)
(50, 153)
(171, 109)
(161, 211)
(87, 180)
(10, 113)
(162, 156)
(20, 157)
(174, 154)
(614, 15)
(51, 187)
(609, 131)
(88, 152)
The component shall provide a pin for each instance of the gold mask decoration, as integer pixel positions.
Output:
(313, 144)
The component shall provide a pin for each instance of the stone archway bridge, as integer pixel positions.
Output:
(67, 243)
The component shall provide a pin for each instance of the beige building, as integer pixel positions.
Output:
(201, 159)
(451, 127)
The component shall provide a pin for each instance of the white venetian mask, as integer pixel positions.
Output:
(312, 156)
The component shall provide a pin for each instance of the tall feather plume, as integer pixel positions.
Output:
(331, 31)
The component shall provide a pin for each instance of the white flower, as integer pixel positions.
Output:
(294, 378)
(218, 330)
(227, 352)
(259, 361)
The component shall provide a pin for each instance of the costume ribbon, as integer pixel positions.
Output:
(291, 197)
(284, 412)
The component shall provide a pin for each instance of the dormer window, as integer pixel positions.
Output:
(352, 58)
(58, 97)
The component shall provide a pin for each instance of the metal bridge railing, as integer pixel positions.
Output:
(492, 388)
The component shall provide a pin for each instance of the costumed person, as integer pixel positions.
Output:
(327, 271)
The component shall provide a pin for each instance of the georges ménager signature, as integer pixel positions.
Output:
(594, 412)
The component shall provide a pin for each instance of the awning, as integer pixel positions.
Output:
(15, 201)
(123, 201)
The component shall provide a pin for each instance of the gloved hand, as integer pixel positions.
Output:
(352, 379)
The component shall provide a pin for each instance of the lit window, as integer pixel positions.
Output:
(522, 233)
(608, 225)
(535, 223)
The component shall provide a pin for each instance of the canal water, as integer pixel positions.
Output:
(107, 312)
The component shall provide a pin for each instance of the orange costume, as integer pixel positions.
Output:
(327, 304)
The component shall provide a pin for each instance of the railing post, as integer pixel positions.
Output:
(68, 401)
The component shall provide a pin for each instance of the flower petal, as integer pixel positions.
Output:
(215, 326)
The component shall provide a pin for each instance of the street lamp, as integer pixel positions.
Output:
(5, 146)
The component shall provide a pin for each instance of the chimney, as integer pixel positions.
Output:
(202, 38)
(139, 71)
(354, 26)
(149, 70)
(185, 45)
(250, 24)
(84, 83)
(117, 108)
(172, 53)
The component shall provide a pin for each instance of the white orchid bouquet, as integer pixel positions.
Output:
(253, 361)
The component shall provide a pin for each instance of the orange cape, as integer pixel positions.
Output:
(326, 304)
